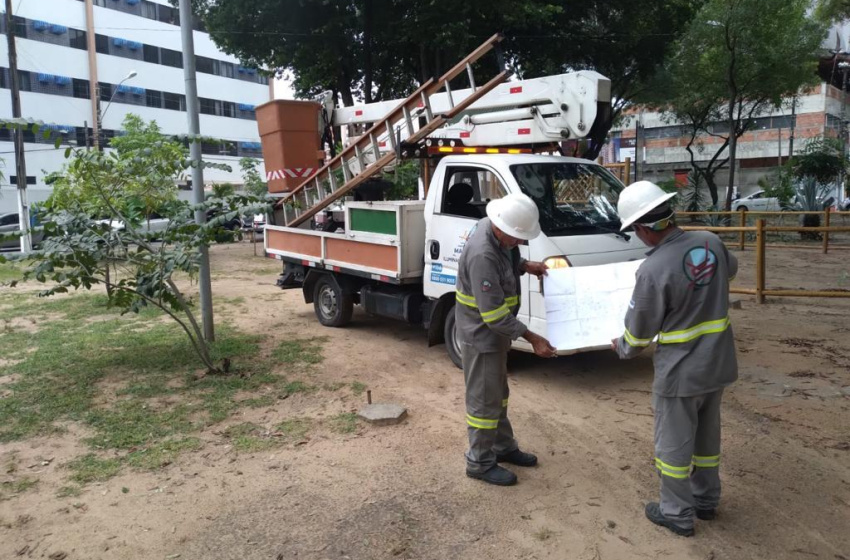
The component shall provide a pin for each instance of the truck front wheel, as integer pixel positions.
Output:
(452, 340)
(333, 307)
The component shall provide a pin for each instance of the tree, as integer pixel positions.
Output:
(94, 235)
(833, 10)
(381, 49)
(738, 59)
(251, 179)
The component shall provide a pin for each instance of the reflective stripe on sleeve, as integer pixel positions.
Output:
(686, 335)
(496, 314)
(504, 403)
(634, 341)
(466, 300)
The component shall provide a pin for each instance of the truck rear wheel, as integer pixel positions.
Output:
(452, 340)
(333, 308)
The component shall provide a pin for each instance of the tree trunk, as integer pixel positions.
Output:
(733, 149)
(367, 46)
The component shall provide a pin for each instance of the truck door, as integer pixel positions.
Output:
(460, 204)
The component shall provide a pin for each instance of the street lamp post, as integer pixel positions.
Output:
(100, 115)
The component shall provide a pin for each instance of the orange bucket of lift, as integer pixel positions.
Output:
(289, 131)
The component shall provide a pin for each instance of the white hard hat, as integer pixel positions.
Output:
(639, 199)
(516, 215)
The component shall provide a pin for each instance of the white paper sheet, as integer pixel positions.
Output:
(585, 306)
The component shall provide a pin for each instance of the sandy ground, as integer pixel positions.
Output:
(400, 492)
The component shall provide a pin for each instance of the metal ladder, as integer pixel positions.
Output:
(336, 178)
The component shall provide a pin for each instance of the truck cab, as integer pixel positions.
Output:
(580, 227)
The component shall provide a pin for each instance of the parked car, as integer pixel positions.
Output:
(757, 202)
(153, 224)
(9, 223)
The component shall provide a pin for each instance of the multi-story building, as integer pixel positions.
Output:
(60, 75)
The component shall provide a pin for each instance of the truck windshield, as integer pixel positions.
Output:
(573, 198)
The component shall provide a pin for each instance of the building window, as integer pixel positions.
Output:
(228, 109)
(205, 65)
(105, 91)
(171, 58)
(78, 39)
(153, 98)
(148, 9)
(151, 54)
(81, 89)
(166, 14)
(174, 101)
(208, 106)
(226, 69)
(101, 43)
(20, 26)
(24, 80)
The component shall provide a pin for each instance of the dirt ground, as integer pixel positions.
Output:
(400, 492)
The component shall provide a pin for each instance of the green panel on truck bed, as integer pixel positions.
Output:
(373, 221)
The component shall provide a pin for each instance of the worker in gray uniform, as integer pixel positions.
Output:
(681, 296)
(488, 298)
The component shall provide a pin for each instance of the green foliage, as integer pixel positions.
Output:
(125, 186)
(738, 59)
(252, 180)
(361, 49)
(779, 184)
(222, 190)
(832, 10)
(821, 159)
(405, 180)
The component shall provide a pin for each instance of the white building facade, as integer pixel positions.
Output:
(59, 76)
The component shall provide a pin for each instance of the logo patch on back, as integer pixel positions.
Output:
(700, 265)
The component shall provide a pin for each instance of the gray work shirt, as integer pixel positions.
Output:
(488, 292)
(682, 295)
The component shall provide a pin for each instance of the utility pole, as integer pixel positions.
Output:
(793, 126)
(20, 163)
(192, 107)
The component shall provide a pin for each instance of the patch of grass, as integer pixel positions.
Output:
(15, 487)
(358, 388)
(248, 438)
(333, 386)
(91, 468)
(544, 534)
(162, 454)
(345, 423)
(296, 387)
(300, 352)
(134, 423)
(10, 272)
(294, 429)
(71, 491)
(258, 402)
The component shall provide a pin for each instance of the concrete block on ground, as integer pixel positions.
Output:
(383, 414)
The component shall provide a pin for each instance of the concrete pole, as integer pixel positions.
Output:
(192, 108)
(20, 163)
(94, 85)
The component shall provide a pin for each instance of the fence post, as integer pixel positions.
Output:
(826, 214)
(760, 258)
(743, 233)
(627, 171)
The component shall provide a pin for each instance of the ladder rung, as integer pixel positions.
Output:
(408, 120)
(346, 173)
(376, 148)
(426, 103)
(471, 77)
(391, 134)
(359, 153)
(332, 180)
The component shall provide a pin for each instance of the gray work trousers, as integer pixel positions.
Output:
(488, 427)
(687, 454)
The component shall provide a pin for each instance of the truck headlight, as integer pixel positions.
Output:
(557, 262)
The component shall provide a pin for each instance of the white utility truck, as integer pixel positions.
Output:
(399, 259)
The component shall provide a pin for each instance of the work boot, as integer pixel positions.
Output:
(653, 513)
(707, 514)
(519, 458)
(497, 475)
